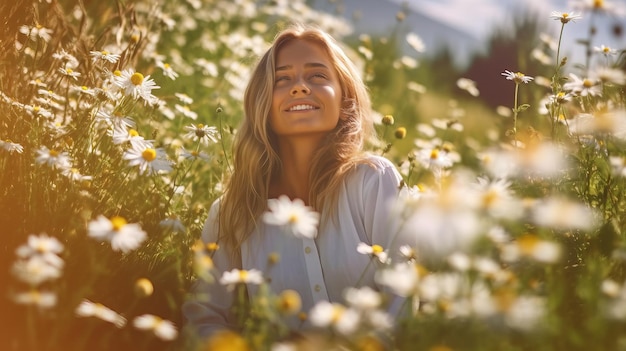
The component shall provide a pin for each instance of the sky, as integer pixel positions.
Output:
(477, 17)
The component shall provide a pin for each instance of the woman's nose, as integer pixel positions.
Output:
(300, 88)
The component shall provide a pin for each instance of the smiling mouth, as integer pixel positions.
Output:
(302, 107)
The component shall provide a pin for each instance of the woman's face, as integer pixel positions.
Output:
(307, 94)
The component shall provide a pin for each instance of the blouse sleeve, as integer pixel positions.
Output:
(208, 308)
(380, 190)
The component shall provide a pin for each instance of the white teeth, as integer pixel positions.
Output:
(302, 107)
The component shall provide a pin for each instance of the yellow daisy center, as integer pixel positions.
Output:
(527, 243)
(565, 15)
(53, 153)
(166, 65)
(243, 275)
(376, 249)
(434, 154)
(598, 4)
(149, 154)
(587, 83)
(133, 133)
(104, 52)
(118, 222)
(337, 312)
(69, 70)
(212, 246)
(490, 198)
(605, 49)
(136, 78)
(293, 218)
(117, 73)
(84, 88)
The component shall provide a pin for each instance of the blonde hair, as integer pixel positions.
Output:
(256, 160)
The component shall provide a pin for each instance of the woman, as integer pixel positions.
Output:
(307, 117)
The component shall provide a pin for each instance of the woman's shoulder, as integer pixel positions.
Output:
(375, 163)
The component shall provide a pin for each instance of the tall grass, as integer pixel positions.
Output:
(517, 222)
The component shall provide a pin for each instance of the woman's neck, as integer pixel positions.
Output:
(296, 155)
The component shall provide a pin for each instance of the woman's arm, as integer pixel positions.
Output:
(208, 307)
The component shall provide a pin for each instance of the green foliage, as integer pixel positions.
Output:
(535, 277)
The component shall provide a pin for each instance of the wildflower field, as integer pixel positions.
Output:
(116, 123)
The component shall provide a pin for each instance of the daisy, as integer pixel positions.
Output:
(526, 312)
(565, 17)
(70, 60)
(136, 85)
(123, 236)
(35, 270)
(90, 309)
(168, 71)
(618, 165)
(11, 147)
(42, 299)
(434, 158)
(495, 198)
(415, 42)
(300, 220)
(149, 159)
(375, 251)
(610, 75)
(236, 276)
(561, 97)
(37, 31)
(605, 50)
(162, 328)
(173, 224)
(363, 299)
(184, 98)
(532, 247)
(104, 56)
(325, 314)
(38, 83)
(121, 135)
(202, 133)
(468, 85)
(403, 279)
(583, 87)
(115, 118)
(83, 90)
(69, 72)
(75, 175)
(186, 111)
(194, 155)
(53, 158)
(49, 94)
(44, 246)
(517, 77)
(563, 214)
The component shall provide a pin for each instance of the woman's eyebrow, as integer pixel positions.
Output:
(306, 65)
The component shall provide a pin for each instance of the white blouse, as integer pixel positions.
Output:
(318, 269)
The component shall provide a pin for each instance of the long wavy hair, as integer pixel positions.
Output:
(255, 158)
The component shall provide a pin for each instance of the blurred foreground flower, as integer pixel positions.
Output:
(162, 328)
(90, 309)
(122, 236)
(300, 220)
(237, 276)
(334, 315)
